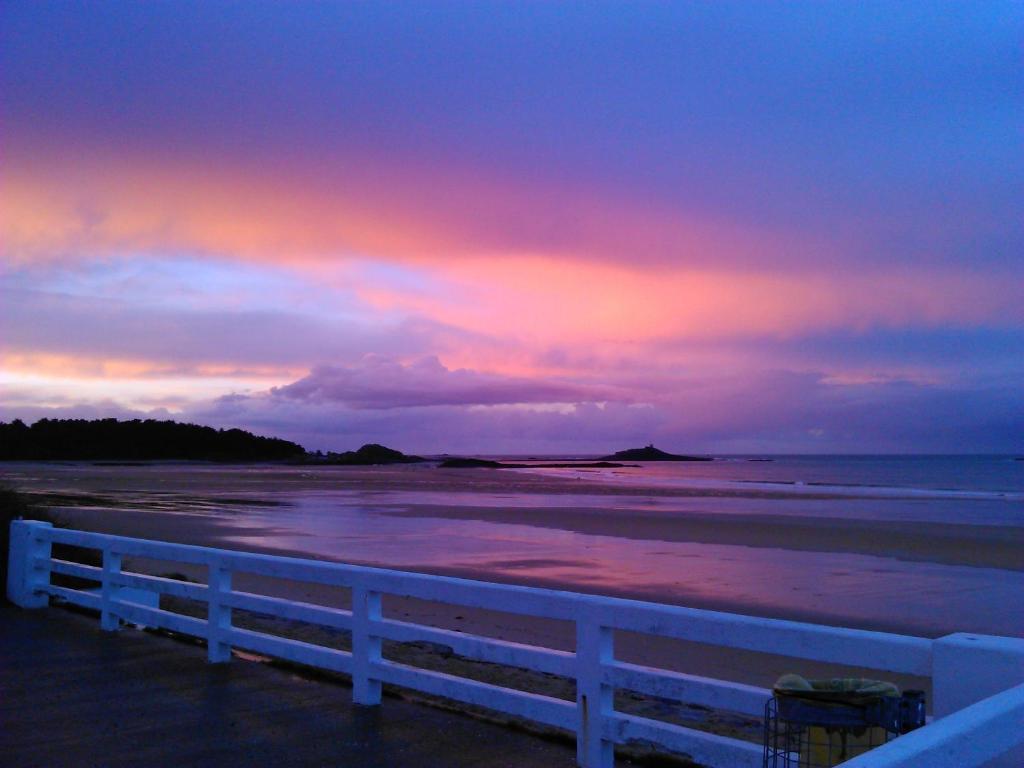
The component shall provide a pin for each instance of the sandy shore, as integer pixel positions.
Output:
(694, 658)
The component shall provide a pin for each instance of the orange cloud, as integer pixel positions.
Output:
(540, 299)
(98, 203)
(84, 367)
(40, 380)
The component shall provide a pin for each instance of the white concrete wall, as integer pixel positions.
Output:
(968, 668)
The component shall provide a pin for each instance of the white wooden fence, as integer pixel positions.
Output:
(965, 668)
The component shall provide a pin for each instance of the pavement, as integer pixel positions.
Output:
(72, 695)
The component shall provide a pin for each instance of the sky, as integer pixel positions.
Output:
(561, 228)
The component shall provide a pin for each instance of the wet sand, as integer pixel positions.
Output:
(953, 544)
(180, 488)
(694, 658)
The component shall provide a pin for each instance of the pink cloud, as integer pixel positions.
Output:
(405, 209)
(378, 382)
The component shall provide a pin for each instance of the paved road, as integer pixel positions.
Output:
(71, 695)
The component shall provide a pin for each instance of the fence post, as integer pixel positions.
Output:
(967, 668)
(26, 576)
(218, 621)
(594, 699)
(109, 620)
(366, 607)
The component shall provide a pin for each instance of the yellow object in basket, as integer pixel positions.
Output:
(831, 746)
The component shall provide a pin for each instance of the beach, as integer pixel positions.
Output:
(880, 560)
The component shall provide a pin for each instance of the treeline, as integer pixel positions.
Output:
(136, 440)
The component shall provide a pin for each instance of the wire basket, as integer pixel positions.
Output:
(814, 730)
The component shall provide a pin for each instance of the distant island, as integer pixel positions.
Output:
(371, 454)
(650, 453)
(136, 440)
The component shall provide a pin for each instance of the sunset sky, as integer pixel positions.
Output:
(519, 227)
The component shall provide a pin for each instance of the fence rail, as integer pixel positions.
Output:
(134, 597)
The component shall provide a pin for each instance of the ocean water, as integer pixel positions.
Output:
(417, 522)
(983, 490)
(976, 475)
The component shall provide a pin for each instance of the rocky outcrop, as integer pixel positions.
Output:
(650, 453)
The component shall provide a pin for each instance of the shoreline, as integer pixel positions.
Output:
(427, 477)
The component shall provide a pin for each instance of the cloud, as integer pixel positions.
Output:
(11, 409)
(481, 131)
(148, 335)
(379, 382)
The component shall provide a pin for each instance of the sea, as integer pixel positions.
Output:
(432, 527)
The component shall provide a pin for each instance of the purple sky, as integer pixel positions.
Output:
(520, 227)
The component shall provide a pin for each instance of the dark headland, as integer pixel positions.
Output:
(136, 440)
(110, 442)
(650, 453)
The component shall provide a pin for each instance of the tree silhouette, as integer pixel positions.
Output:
(136, 440)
